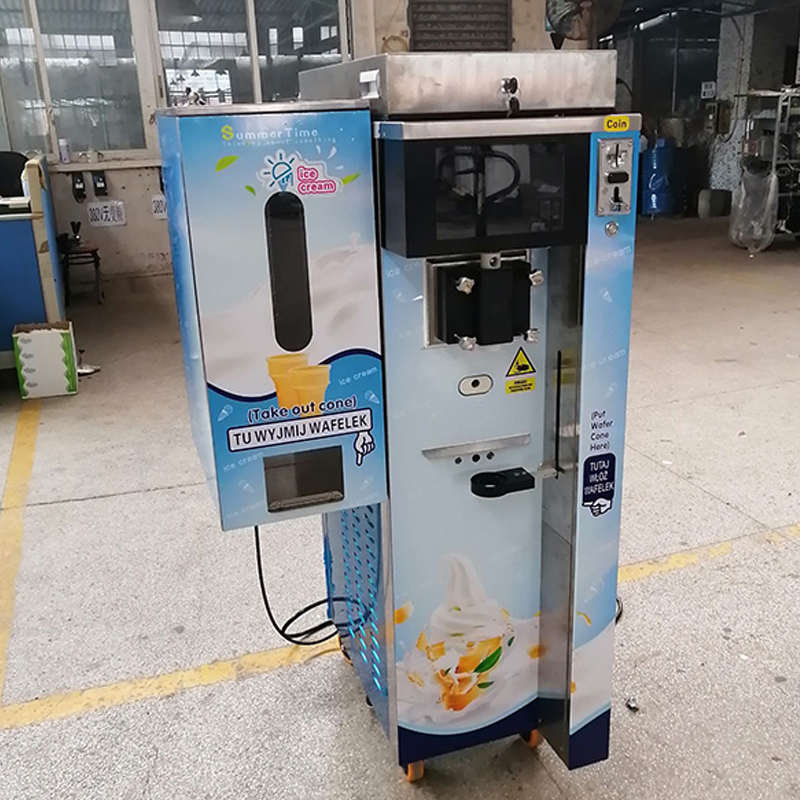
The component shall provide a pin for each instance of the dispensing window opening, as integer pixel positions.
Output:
(309, 478)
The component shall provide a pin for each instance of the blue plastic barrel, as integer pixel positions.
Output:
(656, 195)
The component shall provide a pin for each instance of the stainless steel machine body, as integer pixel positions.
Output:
(506, 198)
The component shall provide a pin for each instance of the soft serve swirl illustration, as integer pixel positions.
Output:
(472, 662)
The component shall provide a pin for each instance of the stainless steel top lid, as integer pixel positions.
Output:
(436, 84)
(290, 107)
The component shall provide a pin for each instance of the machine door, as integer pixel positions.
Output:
(483, 195)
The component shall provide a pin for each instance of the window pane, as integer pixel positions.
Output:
(23, 121)
(290, 40)
(209, 62)
(95, 89)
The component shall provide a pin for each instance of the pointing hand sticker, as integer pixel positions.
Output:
(599, 476)
(363, 445)
(600, 506)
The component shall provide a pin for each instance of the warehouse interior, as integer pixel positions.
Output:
(136, 659)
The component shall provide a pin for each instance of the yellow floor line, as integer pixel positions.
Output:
(686, 558)
(80, 701)
(12, 512)
(792, 532)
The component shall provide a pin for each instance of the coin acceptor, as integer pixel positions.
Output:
(405, 305)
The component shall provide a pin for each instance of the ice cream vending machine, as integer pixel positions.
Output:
(405, 305)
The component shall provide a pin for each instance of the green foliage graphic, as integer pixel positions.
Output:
(225, 162)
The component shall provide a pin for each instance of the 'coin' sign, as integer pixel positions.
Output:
(616, 124)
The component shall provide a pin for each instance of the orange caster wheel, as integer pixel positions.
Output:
(532, 739)
(415, 771)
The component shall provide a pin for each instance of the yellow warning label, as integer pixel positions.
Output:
(521, 365)
(616, 124)
(516, 385)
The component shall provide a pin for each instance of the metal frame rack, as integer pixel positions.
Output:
(772, 134)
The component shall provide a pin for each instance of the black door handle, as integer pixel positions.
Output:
(505, 481)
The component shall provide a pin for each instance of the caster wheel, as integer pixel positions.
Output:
(415, 771)
(532, 739)
(367, 701)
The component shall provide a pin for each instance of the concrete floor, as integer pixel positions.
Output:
(125, 576)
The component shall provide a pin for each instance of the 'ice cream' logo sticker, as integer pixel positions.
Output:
(279, 171)
(308, 178)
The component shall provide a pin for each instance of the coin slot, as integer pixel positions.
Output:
(475, 385)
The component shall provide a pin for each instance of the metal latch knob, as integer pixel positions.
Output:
(465, 285)
(509, 85)
(467, 342)
(532, 335)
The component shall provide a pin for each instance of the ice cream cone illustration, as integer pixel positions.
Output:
(310, 385)
(279, 368)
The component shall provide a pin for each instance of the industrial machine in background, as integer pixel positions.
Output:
(582, 20)
(446, 388)
(767, 201)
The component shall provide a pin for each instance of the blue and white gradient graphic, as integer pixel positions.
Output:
(226, 218)
(185, 297)
(608, 286)
(219, 173)
(240, 475)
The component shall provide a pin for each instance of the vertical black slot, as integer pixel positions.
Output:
(288, 270)
(496, 305)
(522, 297)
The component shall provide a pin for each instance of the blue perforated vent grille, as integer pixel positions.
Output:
(353, 560)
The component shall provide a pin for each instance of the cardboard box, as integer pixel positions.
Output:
(47, 364)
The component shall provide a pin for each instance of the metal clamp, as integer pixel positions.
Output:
(369, 84)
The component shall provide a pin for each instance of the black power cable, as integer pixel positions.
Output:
(299, 637)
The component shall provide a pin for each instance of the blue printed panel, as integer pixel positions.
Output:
(183, 276)
(608, 286)
(254, 425)
(265, 395)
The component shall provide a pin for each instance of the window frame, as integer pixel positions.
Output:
(149, 72)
